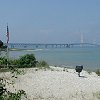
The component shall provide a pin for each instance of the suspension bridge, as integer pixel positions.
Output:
(42, 46)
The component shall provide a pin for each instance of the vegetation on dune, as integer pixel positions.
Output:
(98, 72)
(14, 96)
(26, 61)
(42, 64)
(97, 95)
(3, 61)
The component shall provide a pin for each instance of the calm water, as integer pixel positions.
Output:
(88, 57)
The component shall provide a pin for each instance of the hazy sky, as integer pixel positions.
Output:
(50, 21)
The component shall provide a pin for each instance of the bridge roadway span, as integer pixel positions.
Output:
(40, 46)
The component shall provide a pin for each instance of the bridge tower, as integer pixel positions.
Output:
(82, 40)
(94, 41)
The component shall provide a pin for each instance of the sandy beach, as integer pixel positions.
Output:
(56, 84)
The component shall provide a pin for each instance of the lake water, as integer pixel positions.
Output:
(88, 57)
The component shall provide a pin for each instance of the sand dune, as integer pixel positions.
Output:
(57, 84)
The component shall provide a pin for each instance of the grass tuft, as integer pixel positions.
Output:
(98, 72)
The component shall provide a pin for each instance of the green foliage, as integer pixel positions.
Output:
(2, 85)
(27, 60)
(1, 98)
(97, 95)
(24, 61)
(16, 96)
(6, 95)
(98, 72)
(13, 96)
(42, 64)
(13, 61)
(3, 60)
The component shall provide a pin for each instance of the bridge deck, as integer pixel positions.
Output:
(38, 45)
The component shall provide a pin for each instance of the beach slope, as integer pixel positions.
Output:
(58, 84)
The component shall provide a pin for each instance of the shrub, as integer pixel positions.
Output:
(3, 61)
(43, 64)
(98, 72)
(7, 95)
(17, 95)
(97, 95)
(27, 60)
(13, 96)
(13, 61)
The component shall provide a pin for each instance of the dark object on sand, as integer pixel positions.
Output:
(1, 43)
(79, 69)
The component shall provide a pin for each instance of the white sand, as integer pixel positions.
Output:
(57, 84)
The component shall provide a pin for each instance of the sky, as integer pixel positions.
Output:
(50, 21)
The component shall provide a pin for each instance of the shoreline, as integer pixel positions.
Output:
(89, 58)
(73, 67)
